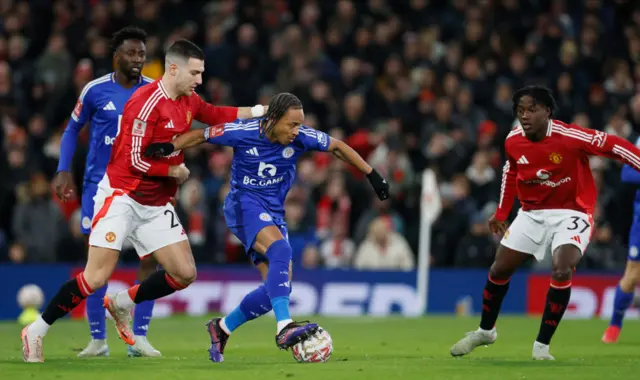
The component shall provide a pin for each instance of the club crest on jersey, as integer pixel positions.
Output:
(287, 152)
(556, 158)
(188, 117)
(110, 237)
(139, 127)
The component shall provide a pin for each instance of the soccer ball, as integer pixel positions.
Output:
(30, 296)
(316, 349)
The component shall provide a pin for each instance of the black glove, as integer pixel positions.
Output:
(159, 149)
(379, 184)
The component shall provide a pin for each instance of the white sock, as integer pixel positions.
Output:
(223, 326)
(282, 324)
(39, 327)
(123, 300)
(486, 331)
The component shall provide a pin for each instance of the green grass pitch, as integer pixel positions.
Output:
(364, 348)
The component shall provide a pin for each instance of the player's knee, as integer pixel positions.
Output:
(632, 273)
(500, 272)
(95, 279)
(279, 252)
(185, 275)
(561, 273)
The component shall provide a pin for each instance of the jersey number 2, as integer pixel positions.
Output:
(575, 226)
(173, 218)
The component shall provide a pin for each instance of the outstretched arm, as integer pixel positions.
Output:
(223, 134)
(348, 155)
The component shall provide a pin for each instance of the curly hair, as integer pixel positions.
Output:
(128, 33)
(540, 94)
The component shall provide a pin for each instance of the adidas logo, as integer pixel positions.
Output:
(109, 107)
(253, 152)
(576, 239)
(523, 160)
(169, 125)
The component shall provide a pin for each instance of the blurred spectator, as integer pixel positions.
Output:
(384, 249)
(38, 225)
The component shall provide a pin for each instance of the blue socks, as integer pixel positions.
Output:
(253, 305)
(273, 294)
(96, 314)
(621, 303)
(278, 285)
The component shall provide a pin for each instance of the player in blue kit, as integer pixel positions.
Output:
(263, 169)
(101, 102)
(627, 285)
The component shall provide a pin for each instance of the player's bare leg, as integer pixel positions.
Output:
(95, 314)
(623, 299)
(178, 273)
(565, 258)
(506, 262)
(252, 306)
(142, 314)
(100, 264)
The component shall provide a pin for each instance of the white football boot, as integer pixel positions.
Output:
(472, 340)
(96, 347)
(541, 352)
(31, 346)
(143, 348)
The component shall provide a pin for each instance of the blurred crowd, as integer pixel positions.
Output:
(410, 84)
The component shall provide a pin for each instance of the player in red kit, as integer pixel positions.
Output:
(133, 200)
(548, 169)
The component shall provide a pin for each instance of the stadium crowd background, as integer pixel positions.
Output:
(411, 84)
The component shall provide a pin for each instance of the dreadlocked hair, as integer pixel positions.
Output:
(540, 94)
(127, 33)
(278, 106)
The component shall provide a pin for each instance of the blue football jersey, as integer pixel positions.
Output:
(102, 102)
(261, 169)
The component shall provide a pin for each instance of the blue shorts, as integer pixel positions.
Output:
(246, 219)
(89, 190)
(634, 240)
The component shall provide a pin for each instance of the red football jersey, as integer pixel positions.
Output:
(151, 116)
(554, 173)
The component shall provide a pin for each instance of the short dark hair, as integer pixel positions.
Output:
(185, 49)
(278, 106)
(540, 94)
(127, 33)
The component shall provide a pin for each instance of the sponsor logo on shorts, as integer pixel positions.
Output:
(110, 237)
(265, 217)
(633, 251)
(556, 158)
(287, 152)
(506, 234)
(86, 222)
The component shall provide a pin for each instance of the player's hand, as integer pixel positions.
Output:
(179, 172)
(379, 184)
(65, 189)
(159, 149)
(497, 226)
